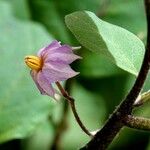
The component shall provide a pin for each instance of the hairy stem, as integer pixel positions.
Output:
(137, 122)
(105, 136)
(71, 101)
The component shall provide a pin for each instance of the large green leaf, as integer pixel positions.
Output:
(99, 66)
(115, 43)
(46, 12)
(119, 12)
(22, 108)
(22, 12)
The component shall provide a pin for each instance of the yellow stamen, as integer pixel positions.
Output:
(33, 62)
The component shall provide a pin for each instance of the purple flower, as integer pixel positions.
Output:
(51, 65)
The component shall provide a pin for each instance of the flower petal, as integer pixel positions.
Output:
(34, 77)
(56, 71)
(54, 45)
(42, 84)
(45, 84)
(67, 58)
(63, 49)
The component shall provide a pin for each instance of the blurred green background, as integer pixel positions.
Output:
(30, 121)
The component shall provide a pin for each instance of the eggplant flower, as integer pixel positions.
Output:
(51, 65)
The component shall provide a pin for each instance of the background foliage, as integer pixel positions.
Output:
(28, 25)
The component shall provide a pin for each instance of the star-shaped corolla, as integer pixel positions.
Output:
(51, 65)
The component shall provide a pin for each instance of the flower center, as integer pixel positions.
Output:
(33, 62)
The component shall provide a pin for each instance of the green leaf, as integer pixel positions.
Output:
(113, 42)
(22, 12)
(99, 66)
(130, 139)
(22, 107)
(148, 146)
(147, 83)
(119, 12)
(44, 133)
(46, 12)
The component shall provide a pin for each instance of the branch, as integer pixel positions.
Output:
(105, 136)
(72, 104)
(138, 123)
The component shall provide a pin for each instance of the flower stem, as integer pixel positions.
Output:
(71, 101)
